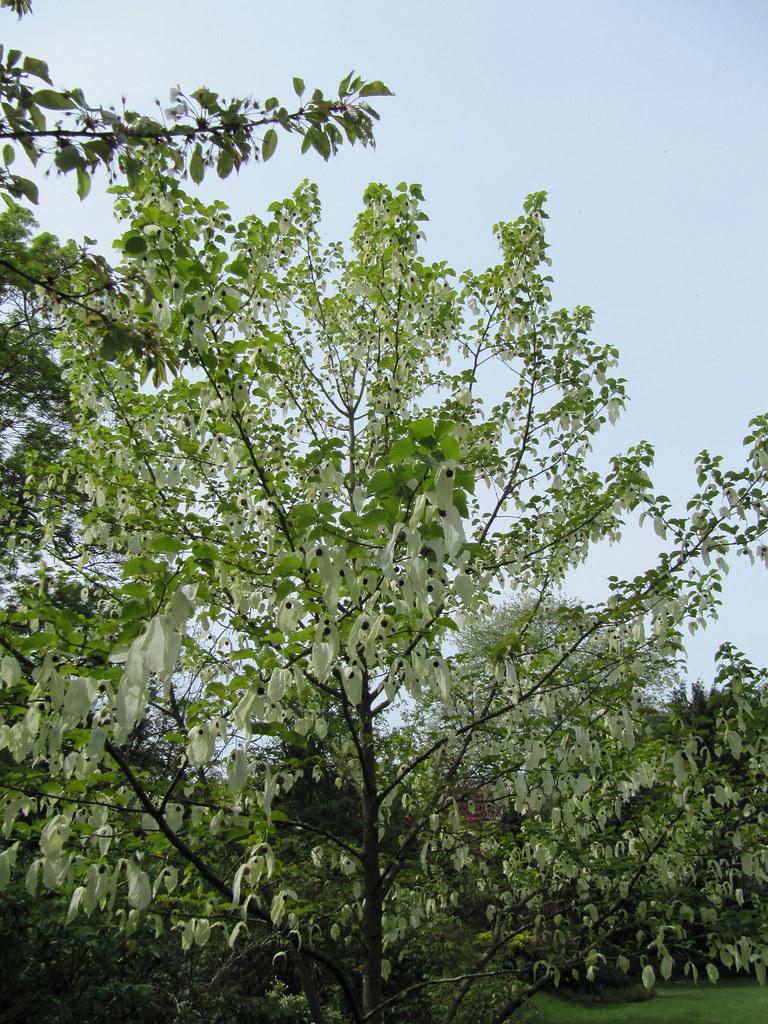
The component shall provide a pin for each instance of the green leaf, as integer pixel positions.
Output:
(142, 566)
(383, 482)
(269, 144)
(225, 163)
(465, 479)
(113, 343)
(9, 154)
(196, 165)
(281, 731)
(117, 340)
(24, 187)
(205, 552)
(52, 100)
(38, 68)
(166, 545)
(402, 448)
(288, 566)
(285, 587)
(449, 446)
(206, 98)
(321, 142)
(133, 169)
(83, 182)
(375, 88)
(344, 84)
(135, 245)
(68, 158)
(298, 86)
(419, 429)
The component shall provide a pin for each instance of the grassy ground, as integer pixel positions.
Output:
(724, 1003)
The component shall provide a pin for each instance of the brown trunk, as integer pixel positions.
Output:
(372, 887)
(304, 972)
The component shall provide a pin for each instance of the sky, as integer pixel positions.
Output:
(644, 121)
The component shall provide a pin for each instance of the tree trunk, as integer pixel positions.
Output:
(304, 971)
(372, 883)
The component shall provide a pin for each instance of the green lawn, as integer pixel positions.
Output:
(725, 1003)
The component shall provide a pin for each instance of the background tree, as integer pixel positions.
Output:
(535, 630)
(305, 515)
(34, 400)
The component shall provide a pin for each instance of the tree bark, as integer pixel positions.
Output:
(304, 971)
(372, 881)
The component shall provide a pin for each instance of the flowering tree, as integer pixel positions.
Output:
(358, 454)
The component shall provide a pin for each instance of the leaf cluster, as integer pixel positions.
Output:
(196, 132)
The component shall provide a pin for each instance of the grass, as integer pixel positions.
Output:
(732, 1002)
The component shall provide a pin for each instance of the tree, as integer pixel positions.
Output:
(539, 623)
(306, 513)
(670, 718)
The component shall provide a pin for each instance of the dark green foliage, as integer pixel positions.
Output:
(609, 986)
(34, 402)
(91, 974)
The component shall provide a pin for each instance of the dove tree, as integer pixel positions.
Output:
(359, 454)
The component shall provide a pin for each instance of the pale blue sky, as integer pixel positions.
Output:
(644, 120)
